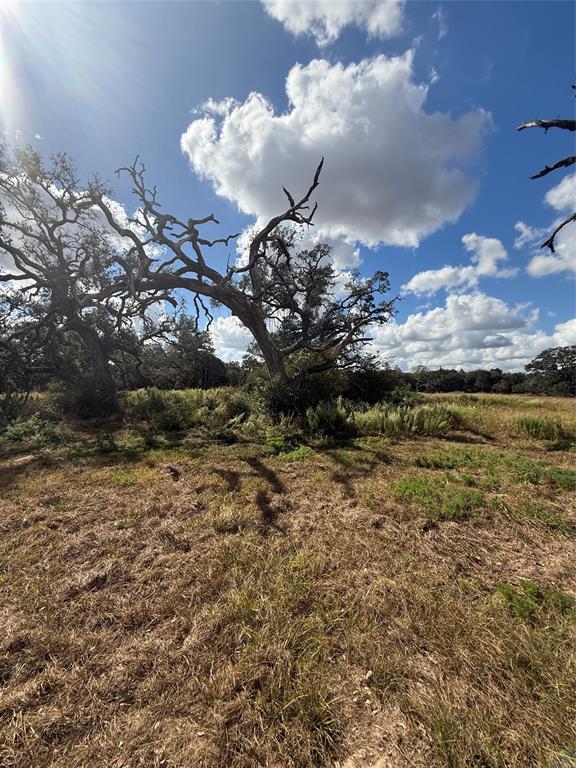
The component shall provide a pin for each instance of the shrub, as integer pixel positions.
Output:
(174, 410)
(431, 420)
(32, 433)
(88, 400)
(329, 419)
(11, 407)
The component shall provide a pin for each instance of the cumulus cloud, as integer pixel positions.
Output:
(470, 331)
(562, 199)
(393, 174)
(486, 252)
(325, 19)
(230, 338)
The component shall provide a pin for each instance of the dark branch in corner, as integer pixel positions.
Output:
(565, 163)
(567, 125)
(550, 242)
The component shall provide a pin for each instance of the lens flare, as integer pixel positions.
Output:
(11, 92)
(84, 50)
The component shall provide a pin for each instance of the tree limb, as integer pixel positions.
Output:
(567, 125)
(565, 163)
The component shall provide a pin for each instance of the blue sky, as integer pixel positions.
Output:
(438, 90)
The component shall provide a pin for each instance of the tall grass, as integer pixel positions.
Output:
(542, 428)
(431, 420)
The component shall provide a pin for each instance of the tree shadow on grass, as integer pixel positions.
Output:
(270, 511)
(355, 467)
(276, 485)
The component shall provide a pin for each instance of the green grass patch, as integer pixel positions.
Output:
(537, 513)
(123, 478)
(297, 454)
(442, 499)
(528, 600)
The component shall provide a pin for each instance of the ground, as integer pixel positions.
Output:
(383, 603)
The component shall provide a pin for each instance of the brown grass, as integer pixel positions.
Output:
(258, 612)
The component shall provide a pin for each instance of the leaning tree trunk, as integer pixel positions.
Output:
(253, 319)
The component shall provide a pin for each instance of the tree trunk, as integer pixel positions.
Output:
(252, 318)
(104, 384)
(272, 357)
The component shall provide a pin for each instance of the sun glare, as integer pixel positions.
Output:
(11, 97)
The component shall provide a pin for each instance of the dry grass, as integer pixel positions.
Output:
(264, 612)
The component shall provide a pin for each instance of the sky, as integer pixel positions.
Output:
(413, 105)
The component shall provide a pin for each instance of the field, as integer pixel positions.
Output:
(239, 596)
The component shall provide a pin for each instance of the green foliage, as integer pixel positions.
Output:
(442, 499)
(329, 419)
(554, 371)
(538, 474)
(397, 420)
(33, 433)
(542, 428)
(296, 454)
(539, 514)
(528, 600)
(177, 410)
(12, 405)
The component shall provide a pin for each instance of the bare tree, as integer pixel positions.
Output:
(566, 162)
(277, 286)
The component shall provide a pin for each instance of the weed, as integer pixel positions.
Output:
(539, 514)
(123, 478)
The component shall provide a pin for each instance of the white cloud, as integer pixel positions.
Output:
(440, 19)
(325, 19)
(393, 174)
(527, 235)
(562, 198)
(230, 338)
(486, 252)
(469, 331)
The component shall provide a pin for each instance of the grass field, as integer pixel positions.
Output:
(395, 600)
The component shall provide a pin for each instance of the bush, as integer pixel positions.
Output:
(431, 420)
(175, 410)
(299, 391)
(86, 399)
(329, 419)
(11, 407)
(33, 433)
